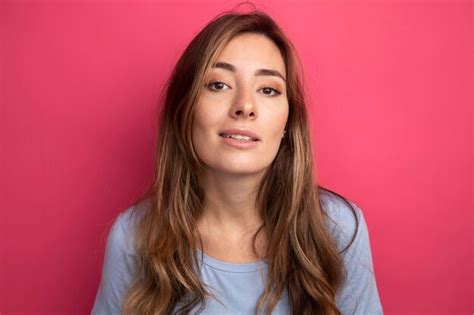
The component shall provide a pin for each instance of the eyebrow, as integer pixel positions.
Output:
(259, 72)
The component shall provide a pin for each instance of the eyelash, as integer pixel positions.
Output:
(272, 89)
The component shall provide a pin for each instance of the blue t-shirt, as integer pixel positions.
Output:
(238, 286)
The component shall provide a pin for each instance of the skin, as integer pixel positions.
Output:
(238, 99)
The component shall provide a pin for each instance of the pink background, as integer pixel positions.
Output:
(390, 96)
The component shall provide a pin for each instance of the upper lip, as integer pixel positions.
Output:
(240, 131)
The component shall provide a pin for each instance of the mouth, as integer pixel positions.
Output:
(240, 134)
(238, 142)
(239, 137)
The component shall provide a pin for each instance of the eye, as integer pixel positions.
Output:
(216, 86)
(268, 91)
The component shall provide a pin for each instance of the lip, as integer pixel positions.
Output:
(240, 144)
(240, 131)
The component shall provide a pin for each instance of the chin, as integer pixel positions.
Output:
(236, 169)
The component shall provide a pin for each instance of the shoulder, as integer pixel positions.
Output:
(121, 235)
(119, 263)
(344, 218)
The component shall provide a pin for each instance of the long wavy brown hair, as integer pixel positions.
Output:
(302, 253)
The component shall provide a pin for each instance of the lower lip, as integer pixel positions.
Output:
(240, 144)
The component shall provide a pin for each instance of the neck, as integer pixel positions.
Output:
(229, 203)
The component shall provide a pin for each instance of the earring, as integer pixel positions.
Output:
(284, 132)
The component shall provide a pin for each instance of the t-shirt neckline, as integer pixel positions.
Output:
(232, 267)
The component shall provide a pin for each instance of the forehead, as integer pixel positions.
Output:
(250, 51)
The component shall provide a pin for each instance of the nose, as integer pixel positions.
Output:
(244, 105)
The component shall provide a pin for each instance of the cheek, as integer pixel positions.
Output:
(204, 129)
(274, 122)
(275, 119)
(203, 119)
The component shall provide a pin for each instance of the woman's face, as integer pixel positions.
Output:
(246, 92)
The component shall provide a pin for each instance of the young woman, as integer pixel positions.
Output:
(234, 222)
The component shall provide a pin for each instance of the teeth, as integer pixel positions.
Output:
(239, 137)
